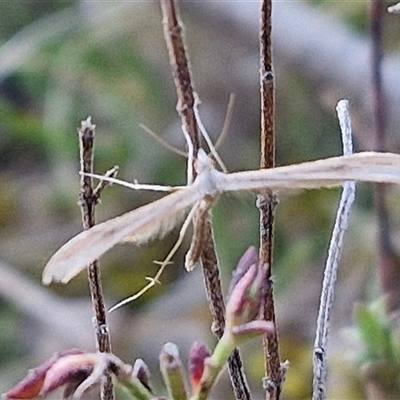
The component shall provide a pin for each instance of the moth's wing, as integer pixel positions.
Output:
(150, 233)
(364, 167)
(89, 245)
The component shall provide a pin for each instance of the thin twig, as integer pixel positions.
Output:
(110, 174)
(181, 73)
(186, 108)
(332, 263)
(267, 201)
(88, 201)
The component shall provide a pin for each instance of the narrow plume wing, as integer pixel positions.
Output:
(364, 167)
(89, 245)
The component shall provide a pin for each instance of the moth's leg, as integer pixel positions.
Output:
(155, 279)
(135, 185)
(201, 217)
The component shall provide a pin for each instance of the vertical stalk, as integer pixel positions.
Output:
(88, 201)
(320, 361)
(186, 108)
(267, 201)
(173, 33)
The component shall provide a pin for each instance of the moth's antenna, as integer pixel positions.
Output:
(227, 122)
(162, 142)
(222, 136)
(213, 147)
(207, 138)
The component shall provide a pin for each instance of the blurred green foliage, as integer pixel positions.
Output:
(374, 328)
(109, 61)
(379, 360)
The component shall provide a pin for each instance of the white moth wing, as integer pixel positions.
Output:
(365, 167)
(149, 233)
(145, 235)
(89, 245)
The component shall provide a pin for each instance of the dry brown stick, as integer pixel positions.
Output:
(181, 73)
(88, 201)
(268, 201)
(186, 108)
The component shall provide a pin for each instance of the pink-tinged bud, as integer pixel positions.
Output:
(142, 372)
(173, 373)
(74, 370)
(249, 258)
(252, 328)
(49, 376)
(169, 356)
(197, 355)
(244, 303)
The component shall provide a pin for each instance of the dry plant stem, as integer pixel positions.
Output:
(186, 108)
(387, 265)
(332, 263)
(88, 200)
(217, 308)
(267, 201)
(181, 73)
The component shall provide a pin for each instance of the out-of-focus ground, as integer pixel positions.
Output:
(63, 61)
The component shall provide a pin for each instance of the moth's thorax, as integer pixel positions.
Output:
(207, 175)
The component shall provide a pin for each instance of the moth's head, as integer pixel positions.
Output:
(203, 163)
